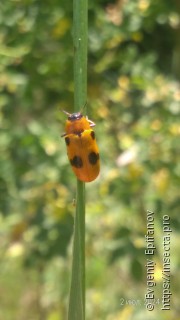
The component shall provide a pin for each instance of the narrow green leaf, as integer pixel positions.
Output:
(77, 290)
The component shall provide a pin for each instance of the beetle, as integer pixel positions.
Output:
(82, 149)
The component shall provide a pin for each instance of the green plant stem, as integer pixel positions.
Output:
(77, 290)
(80, 34)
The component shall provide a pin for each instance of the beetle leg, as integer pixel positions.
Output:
(64, 134)
(92, 124)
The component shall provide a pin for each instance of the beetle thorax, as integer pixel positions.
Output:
(77, 126)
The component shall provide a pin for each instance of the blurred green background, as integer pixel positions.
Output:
(133, 97)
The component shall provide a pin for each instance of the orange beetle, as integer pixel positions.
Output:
(82, 149)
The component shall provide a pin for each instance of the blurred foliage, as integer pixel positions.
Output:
(134, 97)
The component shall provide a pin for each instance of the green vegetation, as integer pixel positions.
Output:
(134, 98)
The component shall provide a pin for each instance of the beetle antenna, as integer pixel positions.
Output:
(81, 111)
(67, 113)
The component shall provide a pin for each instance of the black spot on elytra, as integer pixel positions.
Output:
(76, 162)
(67, 140)
(93, 135)
(93, 157)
